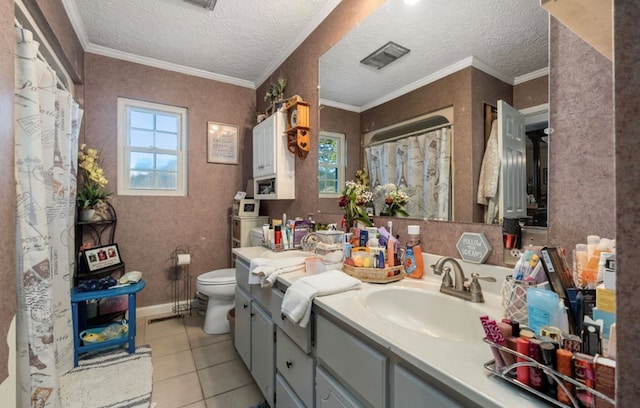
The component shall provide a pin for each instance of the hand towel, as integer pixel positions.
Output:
(265, 271)
(298, 298)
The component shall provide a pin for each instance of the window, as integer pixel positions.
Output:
(331, 163)
(152, 149)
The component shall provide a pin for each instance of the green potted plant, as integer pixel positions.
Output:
(275, 92)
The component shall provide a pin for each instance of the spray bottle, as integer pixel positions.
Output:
(412, 260)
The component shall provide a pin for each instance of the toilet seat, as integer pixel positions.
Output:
(218, 277)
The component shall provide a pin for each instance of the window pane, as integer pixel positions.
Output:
(142, 120)
(141, 138)
(327, 150)
(167, 162)
(166, 180)
(141, 179)
(141, 161)
(167, 141)
(167, 123)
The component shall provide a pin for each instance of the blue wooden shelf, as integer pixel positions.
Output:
(78, 297)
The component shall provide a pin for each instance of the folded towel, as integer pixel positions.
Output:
(265, 271)
(298, 298)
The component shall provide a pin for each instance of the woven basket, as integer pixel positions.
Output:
(375, 275)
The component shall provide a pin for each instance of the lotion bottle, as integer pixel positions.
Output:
(412, 261)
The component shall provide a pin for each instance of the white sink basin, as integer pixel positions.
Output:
(430, 313)
(294, 253)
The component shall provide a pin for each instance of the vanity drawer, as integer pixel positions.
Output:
(285, 395)
(262, 296)
(300, 335)
(295, 366)
(359, 365)
(242, 274)
(330, 394)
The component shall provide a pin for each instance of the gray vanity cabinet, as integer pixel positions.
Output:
(243, 326)
(262, 352)
(355, 363)
(330, 394)
(255, 331)
(410, 391)
(294, 364)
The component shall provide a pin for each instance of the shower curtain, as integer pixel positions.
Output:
(47, 122)
(421, 165)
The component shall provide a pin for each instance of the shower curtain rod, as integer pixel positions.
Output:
(41, 57)
(417, 132)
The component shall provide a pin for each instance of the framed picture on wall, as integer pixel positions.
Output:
(222, 143)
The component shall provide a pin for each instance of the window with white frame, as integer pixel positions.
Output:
(152, 149)
(331, 163)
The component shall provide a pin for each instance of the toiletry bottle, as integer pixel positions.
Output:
(277, 236)
(413, 264)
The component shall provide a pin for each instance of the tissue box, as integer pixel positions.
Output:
(607, 318)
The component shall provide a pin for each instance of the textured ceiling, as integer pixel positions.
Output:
(244, 41)
(239, 41)
(506, 38)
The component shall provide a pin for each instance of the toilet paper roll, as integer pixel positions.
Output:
(184, 259)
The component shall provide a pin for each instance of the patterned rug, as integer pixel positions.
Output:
(114, 379)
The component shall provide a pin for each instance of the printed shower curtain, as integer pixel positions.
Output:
(47, 122)
(421, 165)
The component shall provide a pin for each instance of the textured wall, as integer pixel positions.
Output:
(581, 202)
(7, 183)
(531, 93)
(627, 123)
(150, 228)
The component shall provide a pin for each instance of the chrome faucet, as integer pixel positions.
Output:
(459, 287)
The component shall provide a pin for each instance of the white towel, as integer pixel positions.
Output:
(298, 298)
(265, 271)
(489, 182)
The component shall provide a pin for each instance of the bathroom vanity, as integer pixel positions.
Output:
(360, 351)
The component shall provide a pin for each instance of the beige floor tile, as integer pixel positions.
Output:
(224, 377)
(177, 391)
(164, 328)
(199, 404)
(172, 365)
(243, 397)
(168, 345)
(213, 354)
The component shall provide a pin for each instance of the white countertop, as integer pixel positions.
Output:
(458, 365)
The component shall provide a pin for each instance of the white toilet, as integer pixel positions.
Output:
(220, 287)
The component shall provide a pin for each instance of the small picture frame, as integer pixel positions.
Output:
(222, 143)
(106, 256)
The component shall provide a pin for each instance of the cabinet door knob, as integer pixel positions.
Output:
(289, 364)
(282, 316)
(244, 306)
(253, 314)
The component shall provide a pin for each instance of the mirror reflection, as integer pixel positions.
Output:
(461, 57)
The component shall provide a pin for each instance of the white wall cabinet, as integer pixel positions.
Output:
(274, 166)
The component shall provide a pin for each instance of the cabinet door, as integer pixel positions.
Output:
(243, 326)
(410, 391)
(286, 397)
(330, 394)
(262, 351)
(264, 147)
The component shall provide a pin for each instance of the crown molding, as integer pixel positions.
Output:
(76, 22)
(339, 105)
(531, 76)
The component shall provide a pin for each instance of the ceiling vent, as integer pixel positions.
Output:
(208, 4)
(385, 55)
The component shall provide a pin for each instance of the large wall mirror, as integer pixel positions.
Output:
(431, 57)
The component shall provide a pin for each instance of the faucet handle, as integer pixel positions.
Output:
(436, 270)
(447, 281)
(476, 277)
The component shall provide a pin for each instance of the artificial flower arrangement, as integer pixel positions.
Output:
(355, 196)
(91, 179)
(395, 200)
(275, 92)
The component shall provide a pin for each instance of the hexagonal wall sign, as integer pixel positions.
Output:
(473, 247)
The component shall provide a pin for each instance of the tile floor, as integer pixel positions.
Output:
(193, 369)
